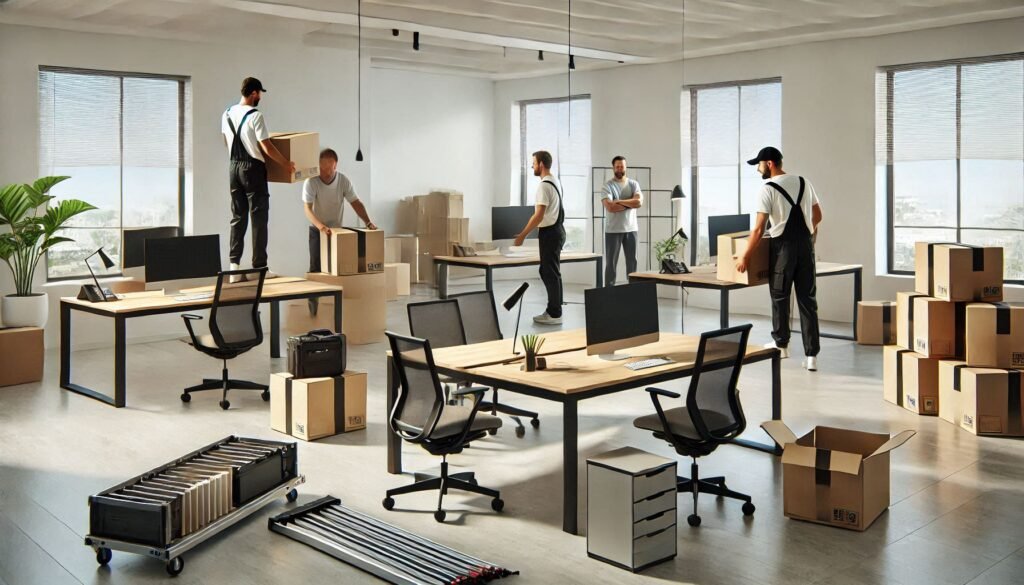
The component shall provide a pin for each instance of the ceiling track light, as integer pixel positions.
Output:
(540, 55)
(572, 62)
(416, 41)
(394, 32)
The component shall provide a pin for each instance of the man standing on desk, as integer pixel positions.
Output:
(795, 212)
(622, 197)
(548, 216)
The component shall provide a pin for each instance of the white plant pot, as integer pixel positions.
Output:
(31, 311)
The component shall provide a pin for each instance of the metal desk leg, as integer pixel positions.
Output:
(442, 279)
(65, 345)
(723, 309)
(119, 362)
(599, 272)
(489, 280)
(275, 329)
(682, 310)
(856, 298)
(394, 442)
(570, 471)
(338, 308)
(776, 408)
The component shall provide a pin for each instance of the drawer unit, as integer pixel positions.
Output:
(631, 508)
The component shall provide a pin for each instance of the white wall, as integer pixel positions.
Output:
(827, 131)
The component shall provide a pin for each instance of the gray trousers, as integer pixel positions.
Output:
(612, 243)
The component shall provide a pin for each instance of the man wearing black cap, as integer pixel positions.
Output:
(246, 136)
(795, 212)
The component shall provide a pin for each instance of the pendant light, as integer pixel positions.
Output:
(572, 65)
(359, 82)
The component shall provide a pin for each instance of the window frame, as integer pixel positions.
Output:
(523, 155)
(183, 82)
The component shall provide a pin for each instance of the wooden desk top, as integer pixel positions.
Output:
(709, 279)
(158, 301)
(499, 260)
(500, 351)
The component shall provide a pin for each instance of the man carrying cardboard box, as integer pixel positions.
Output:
(791, 257)
(323, 197)
(246, 136)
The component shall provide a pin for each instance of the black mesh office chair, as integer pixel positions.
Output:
(480, 323)
(712, 414)
(422, 416)
(234, 329)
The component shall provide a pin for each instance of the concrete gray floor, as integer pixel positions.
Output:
(956, 514)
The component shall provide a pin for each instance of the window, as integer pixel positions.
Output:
(950, 156)
(544, 125)
(724, 125)
(121, 137)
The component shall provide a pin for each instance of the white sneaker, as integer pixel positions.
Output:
(811, 363)
(236, 277)
(545, 319)
(783, 350)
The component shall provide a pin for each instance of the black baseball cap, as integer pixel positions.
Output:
(767, 153)
(251, 84)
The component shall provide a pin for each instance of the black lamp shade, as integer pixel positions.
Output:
(107, 262)
(510, 302)
(677, 192)
(359, 155)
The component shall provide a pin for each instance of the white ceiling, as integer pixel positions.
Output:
(501, 38)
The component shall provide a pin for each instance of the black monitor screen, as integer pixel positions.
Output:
(133, 243)
(621, 312)
(181, 258)
(507, 222)
(725, 224)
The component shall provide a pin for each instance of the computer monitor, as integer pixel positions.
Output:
(725, 224)
(182, 258)
(133, 243)
(619, 317)
(507, 222)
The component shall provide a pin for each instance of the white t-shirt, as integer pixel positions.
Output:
(547, 195)
(772, 202)
(326, 198)
(254, 131)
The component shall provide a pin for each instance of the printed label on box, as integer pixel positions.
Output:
(929, 405)
(941, 290)
(991, 291)
(968, 420)
(300, 428)
(1017, 358)
(355, 420)
(844, 516)
(375, 266)
(912, 401)
(922, 346)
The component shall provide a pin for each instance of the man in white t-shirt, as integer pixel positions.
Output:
(622, 197)
(791, 204)
(548, 217)
(246, 136)
(324, 199)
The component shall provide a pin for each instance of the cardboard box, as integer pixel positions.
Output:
(832, 476)
(457, 230)
(352, 251)
(313, 408)
(425, 268)
(443, 204)
(302, 148)
(364, 313)
(21, 355)
(920, 383)
(734, 245)
(370, 249)
(939, 328)
(995, 335)
(876, 322)
(905, 318)
(396, 278)
(392, 250)
(991, 402)
(299, 319)
(893, 389)
(950, 402)
(410, 249)
(958, 272)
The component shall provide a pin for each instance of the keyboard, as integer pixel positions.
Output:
(648, 363)
(194, 297)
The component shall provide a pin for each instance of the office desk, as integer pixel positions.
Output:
(146, 303)
(709, 280)
(490, 263)
(573, 376)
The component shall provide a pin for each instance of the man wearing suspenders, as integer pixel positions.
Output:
(795, 212)
(247, 139)
(548, 216)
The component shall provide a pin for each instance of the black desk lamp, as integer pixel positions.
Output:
(509, 303)
(94, 292)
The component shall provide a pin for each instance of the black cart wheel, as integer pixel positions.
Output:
(265, 395)
(748, 509)
(693, 520)
(439, 515)
(103, 555)
(224, 404)
(497, 504)
(535, 423)
(492, 432)
(389, 503)
(175, 566)
(520, 432)
(292, 495)
(186, 397)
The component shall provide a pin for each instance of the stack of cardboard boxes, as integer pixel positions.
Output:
(313, 408)
(437, 221)
(958, 351)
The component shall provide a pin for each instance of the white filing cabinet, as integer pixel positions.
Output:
(631, 508)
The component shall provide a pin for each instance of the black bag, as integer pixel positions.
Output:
(317, 354)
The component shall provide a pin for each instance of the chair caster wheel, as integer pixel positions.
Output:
(497, 504)
(748, 509)
(265, 395)
(224, 404)
(439, 515)
(389, 503)
(175, 566)
(520, 432)
(185, 397)
(292, 495)
(535, 423)
(103, 555)
(492, 432)
(693, 520)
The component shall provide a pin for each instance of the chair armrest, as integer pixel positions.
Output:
(469, 390)
(665, 393)
(188, 318)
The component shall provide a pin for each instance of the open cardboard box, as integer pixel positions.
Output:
(837, 477)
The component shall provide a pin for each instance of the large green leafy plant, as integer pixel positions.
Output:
(33, 226)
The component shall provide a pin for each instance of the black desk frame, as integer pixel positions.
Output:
(442, 265)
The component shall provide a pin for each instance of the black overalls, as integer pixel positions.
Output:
(550, 240)
(791, 263)
(249, 195)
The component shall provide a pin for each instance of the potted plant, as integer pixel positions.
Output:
(532, 345)
(32, 230)
(666, 248)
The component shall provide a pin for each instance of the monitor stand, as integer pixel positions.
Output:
(614, 357)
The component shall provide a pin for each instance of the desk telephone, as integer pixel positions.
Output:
(669, 265)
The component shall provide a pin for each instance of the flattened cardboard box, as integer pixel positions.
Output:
(732, 246)
(313, 408)
(939, 328)
(995, 335)
(991, 402)
(21, 355)
(302, 148)
(876, 322)
(950, 395)
(905, 318)
(832, 476)
(958, 272)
